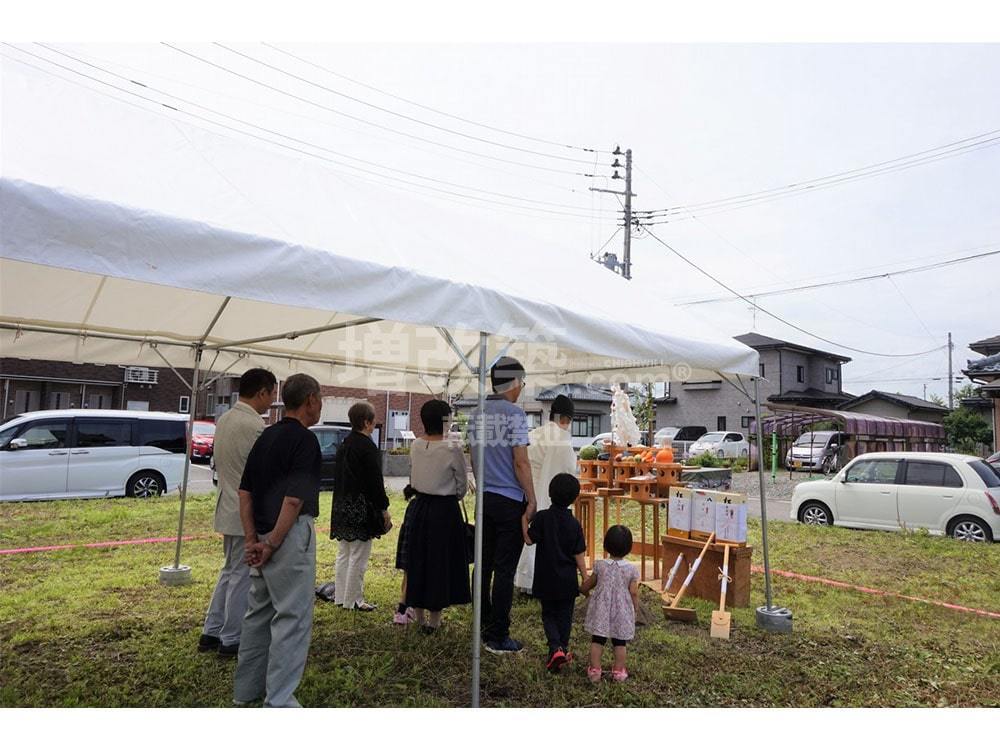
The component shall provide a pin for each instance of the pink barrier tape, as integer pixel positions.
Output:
(92, 545)
(877, 592)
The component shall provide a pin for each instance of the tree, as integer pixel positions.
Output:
(936, 399)
(641, 399)
(967, 430)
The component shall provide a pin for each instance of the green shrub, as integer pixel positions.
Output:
(705, 461)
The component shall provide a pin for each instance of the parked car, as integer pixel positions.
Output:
(202, 440)
(816, 451)
(91, 453)
(330, 437)
(945, 493)
(721, 445)
(681, 438)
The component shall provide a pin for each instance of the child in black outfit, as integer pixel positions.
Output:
(560, 556)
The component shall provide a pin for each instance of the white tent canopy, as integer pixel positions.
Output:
(90, 268)
(129, 236)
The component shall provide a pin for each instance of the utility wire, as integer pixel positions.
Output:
(368, 133)
(416, 120)
(309, 143)
(292, 148)
(928, 156)
(842, 282)
(430, 109)
(776, 317)
(162, 111)
(375, 124)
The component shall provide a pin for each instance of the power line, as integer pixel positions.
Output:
(842, 282)
(309, 143)
(430, 109)
(920, 158)
(368, 133)
(298, 150)
(392, 112)
(375, 124)
(161, 111)
(776, 317)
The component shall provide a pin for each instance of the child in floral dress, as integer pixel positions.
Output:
(613, 604)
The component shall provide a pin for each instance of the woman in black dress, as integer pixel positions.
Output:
(432, 542)
(360, 507)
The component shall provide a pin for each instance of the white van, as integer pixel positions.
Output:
(69, 453)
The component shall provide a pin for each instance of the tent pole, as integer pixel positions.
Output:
(178, 574)
(778, 620)
(477, 570)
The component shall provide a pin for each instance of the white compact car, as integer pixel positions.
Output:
(945, 493)
(721, 444)
(91, 453)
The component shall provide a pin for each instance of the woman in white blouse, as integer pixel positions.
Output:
(431, 548)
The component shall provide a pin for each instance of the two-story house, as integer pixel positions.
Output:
(792, 374)
(985, 373)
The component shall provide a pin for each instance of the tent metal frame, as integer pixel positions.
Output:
(243, 350)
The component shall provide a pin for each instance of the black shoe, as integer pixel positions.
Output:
(231, 650)
(208, 643)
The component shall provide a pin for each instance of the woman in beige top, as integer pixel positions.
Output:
(431, 547)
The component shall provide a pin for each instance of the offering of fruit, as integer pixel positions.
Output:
(589, 453)
(665, 456)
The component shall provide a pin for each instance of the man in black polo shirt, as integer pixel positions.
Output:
(279, 500)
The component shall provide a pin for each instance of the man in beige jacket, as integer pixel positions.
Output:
(235, 435)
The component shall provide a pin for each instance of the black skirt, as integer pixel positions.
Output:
(437, 574)
(403, 540)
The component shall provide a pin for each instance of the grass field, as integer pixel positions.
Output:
(93, 627)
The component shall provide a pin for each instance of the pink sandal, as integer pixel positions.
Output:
(619, 675)
(594, 674)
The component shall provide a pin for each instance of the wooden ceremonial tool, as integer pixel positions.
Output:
(668, 581)
(722, 620)
(672, 611)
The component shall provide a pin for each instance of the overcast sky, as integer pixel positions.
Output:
(704, 122)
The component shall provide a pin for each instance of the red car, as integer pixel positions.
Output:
(202, 440)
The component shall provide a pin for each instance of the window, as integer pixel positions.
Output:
(762, 369)
(59, 400)
(104, 433)
(47, 435)
(880, 471)
(720, 424)
(184, 406)
(931, 474)
(745, 422)
(733, 437)
(167, 435)
(831, 375)
(534, 419)
(800, 373)
(990, 476)
(586, 425)
(329, 440)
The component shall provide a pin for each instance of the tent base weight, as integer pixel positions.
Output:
(171, 576)
(774, 620)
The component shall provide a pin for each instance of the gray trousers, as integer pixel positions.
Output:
(229, 600)
(278, 623)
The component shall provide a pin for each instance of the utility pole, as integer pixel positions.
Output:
(626, 264)
(627, 254)
(951, 396)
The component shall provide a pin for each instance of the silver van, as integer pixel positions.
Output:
(68, 453)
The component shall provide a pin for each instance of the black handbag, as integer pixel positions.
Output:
(470, 535)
